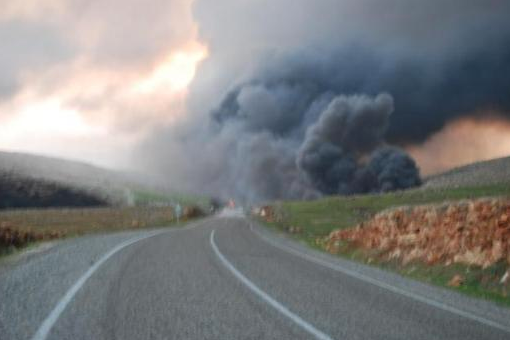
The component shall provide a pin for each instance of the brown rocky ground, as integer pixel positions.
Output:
(472, 232)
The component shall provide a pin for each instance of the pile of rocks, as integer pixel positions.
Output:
(475, 232)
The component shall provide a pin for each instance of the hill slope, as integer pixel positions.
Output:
(496, 171)
(114, 187)
(80, 176)
(24, 192)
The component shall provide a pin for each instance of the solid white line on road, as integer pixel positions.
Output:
(383, 285)
(268, 299)
(52, 318)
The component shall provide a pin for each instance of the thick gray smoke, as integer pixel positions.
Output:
(336, 147)
(350, 129)
(303, 98)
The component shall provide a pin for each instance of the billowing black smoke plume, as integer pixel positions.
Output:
(335, 143)
(348, 130)
(428, 93)
(297, 106)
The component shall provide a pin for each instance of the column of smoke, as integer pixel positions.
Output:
(348, 130)
(299, 106)
(290, 143)
(268, 142)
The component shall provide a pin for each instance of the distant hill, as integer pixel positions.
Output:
(104, 185)
(496, 171)
(24, 192)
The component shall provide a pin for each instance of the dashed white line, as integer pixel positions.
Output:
(383, 285)
(268, 299)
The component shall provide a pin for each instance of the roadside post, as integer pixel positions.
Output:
(178, 211)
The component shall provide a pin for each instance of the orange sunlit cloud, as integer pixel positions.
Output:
(175, 73)
(461, 142)
(100, 75)
(98, 104)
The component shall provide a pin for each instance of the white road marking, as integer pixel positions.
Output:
(51, 319)
(383, 285)
(268, 299)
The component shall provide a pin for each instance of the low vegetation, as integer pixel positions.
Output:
(320, 224)
(19, 228)
(44, 198)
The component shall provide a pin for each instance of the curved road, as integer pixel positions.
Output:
(223, 278)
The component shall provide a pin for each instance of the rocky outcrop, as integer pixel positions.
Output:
(474, 232)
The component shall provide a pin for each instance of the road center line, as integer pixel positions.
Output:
(51, 319)
(268, 299)
(383, 285)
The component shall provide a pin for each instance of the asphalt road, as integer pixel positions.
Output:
(223, 278)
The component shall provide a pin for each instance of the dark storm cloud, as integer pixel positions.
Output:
(306, 77)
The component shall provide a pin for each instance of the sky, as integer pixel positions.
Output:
(87, 80)
(144, 84)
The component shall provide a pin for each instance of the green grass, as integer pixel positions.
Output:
(478, 282)
(316, 219)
